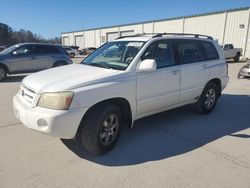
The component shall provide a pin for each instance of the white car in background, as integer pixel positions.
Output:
(71, 51)
(148, 74)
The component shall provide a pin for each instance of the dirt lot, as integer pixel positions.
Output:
(178, 148)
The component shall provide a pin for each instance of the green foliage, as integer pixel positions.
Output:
(9, 37)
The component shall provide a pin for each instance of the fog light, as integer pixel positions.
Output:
(42, 122)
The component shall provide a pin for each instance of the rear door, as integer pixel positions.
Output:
(45, 56)
(194, 69)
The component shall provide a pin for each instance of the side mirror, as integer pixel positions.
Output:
(147, 65)
(15, 53)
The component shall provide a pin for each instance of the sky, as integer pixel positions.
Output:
(50, 18)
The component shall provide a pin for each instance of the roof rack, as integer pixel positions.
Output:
(138, 35)
(183, 34)
(155, 35)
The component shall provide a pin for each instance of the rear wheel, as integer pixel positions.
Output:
(237, 57)
(3, 73)
(100, 129)
(208, 99)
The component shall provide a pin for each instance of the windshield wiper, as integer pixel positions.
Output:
(98, 65)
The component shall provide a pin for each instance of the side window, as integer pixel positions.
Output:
(225, 47)
(24, 50)
(43, 49)
(51, 49)
(161, 52)
(210, 51)
(189, 52)
(231, 46)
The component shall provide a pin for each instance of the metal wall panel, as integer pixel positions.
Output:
(65, 40)
(111, 36)
(136, 28)
(170, 26)
(89, 38)
(79, 40)
(224, 26)
(147, 28)
(212, 25)
(233, 33)
(105, 31)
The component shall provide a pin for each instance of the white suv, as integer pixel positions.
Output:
(122, 81)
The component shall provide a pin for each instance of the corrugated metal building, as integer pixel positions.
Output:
(228, 26)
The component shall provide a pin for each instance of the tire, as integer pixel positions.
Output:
(237, 57)
(3, 73)
(240, 76)
(60, 63)
(101, 128)
(208, 99)
(72, 55)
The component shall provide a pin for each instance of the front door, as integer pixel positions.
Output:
(23, 60)
(158, 90)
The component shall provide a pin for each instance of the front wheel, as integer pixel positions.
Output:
(101, 128)
(3, 73)
(208, 99)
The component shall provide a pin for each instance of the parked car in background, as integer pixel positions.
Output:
(86, 51)
(2, 48)
(94, 99)
(232, 53)
(71, 51)
(244, 71)
(31, 57)
(74, 47)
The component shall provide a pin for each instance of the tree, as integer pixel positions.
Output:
(10, 37)
(5, 34)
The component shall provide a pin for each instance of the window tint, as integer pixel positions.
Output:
(24, 50)
(189, 52)
(161, 52)
(210, 51)
(43, 49)
(231, 46)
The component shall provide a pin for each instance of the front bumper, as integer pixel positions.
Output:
(57, 123)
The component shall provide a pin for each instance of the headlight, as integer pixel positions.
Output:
(56, 101)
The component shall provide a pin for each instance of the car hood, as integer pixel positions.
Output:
(67, 78)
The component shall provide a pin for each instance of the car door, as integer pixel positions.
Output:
(159, 89)
(23, 60)
(194, 69)
(45, 56)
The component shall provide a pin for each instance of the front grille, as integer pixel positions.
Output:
(27, 94)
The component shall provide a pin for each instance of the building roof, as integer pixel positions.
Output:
(164, 19)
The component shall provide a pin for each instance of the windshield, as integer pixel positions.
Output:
(8, 50)
(114, 55)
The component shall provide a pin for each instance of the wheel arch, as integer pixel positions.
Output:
(5, 67)
(122, 103)
(217, 82)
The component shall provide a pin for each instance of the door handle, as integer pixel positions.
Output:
(204, 66)
(175, 72)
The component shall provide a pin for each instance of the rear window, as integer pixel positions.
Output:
(189, 51)
(210, 51)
